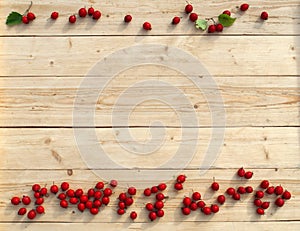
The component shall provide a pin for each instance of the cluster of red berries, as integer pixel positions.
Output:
(28, 17)
(125, 201)
(179, 182)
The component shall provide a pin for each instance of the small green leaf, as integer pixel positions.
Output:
(201, 24)
(226, 20)
(14, 18)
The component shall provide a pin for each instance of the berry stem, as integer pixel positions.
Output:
(26, 11)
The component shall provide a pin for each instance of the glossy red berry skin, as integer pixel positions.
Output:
(241, 172)
(196, 196)
(278, 190)
(201, 204)
(227, 12)
(30, 16)
(105, 200)
(54, 189)
(122, 196)
(259, 194)
(91, 11)
(62, 196)
(219, 27)
(99, 185)
(236, 196)
(188, 8)
(89, 204)
(214, 208)
(241, 190)
(279, 202)
(152, 216)
(215, 186)
(121, 211)
(206, 210)
(176, 20)
(78, 192)
(244, 7)
(64, 204)
(39, 201)
(264, 15)
(54, 15)
(129, 201)
(31, 214)
(260, 211)
(221, 199)
(81, 207)
(26, 200)
(97, 195)
(107, 192)
(65, 185)
(186, 211)
(43, 191)
(22, 211)
(36, 187)
(265, 205)
(178, 186)
(187, 201)
(37, 195)
(72, 19)
(113, 183)
(15, 200)
(249, 189)
(149, 207)
(162, 187)
(96, 15)
(133, 215)
(127, 18)
(270, 190)
(159, 204)
(147, 192)
(211, 29)
(82, 12)
(147, 26)
(91, 192)
(230, 191)
(154, 189)
(160, 196)
(264, 184)
(40, 209)
(73, 200)
(25, 20)
(97, 203)
(248, 175)
(160, 213)
(84, 198)
(131, 191)
(193, 206)
(121, 205)
(193, 17)
(257, 202)
(181, 179)
(286, 195)
(70, 193)
(94, 211)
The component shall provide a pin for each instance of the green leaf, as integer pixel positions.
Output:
(14, 18)
(226, 20)
(201, 24)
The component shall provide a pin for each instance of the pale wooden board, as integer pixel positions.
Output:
(284, 17)
(73, 56)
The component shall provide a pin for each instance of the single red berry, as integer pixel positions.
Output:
(147, 192)
(227, 12)
(214, 208)
(236, 196)
(72, 19)
(54, 15)
(84, 198)
(97, 203)
(127, 18)
(22, 211)
(40, 209)
(178, 186)
(147, 26)
(64, 204)
(211, 29)
(154, 189)
(39, 201)
(82, 12)
(160, 213)
(181, 179)
(241, 190)
(113, 183)
(187, 201)
(129, 201)
(219, 27)
(279, 202)
(54, 189)
(15, 200)
(70, 193)
(270, 190)
(278, 190)
(196, 196)
(260, 211)
(81, 207)
(176, 20)
(97, 195)
(31, 214)
(186, 211)
(30, 16)
(257, 202)
(73, 200)
(99, 185)
(121, 211)
(259, 194)
(37, 195)
(193, 206)
(249, 189)
(241, 172)
(206, 210)
(78, 192)
(43, 191)
(188, 8)
(162, 187)
(25, 20)
(91, 11)
(149, 206)
(62, 196)
(160, 196)
(36, 187)
(221, 199)
(230, 191)
(89, 204)
(131, 191)
(91, 192)
(215, 186)
(64, 186)
(201, 204)
(244, 7)
(121, 205)
(94, 210)
(105, 200)
(286, 195)
(107, 192)
(96, 15)
(248, 175)
(133, 215)
(152, 216)
(159, 204)
(122, 196)
(265, 205)
(26, 200)
(264, 15)
(264, 184)
(193, 17)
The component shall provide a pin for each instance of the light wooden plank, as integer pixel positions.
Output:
(42, 148)
(75, 56)
(283, 17)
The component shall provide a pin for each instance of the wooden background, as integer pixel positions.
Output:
(255, 65)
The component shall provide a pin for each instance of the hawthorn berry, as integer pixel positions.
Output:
(121, 205)
(241, 190)
(201, 204)
(230, 191)
(249, 189)
(22, 211)
(64, 204)
(78, 192)
(91, 192)
(193, 206)
(30, 16)
(25, 20)
(40, 209)
(211, 29)
(186, 211)
(264, 184)
(152, 216)
(193, 17)
(147, 26)
(64, 186)
(221, 199)
(39, 201)
(149, 206)
(215, 186)
(236, 196)
(286, 195)
(259, 194)
(31, 214)
(62, 196)
(265, 205)
(107, 192)
(26, 200)
(162, 186)
(270, 190)
(36, 187)
(264, 15)
(82, 12)
(81, 207)
(113, 183)
(196, 196)
(43, 191)
(248, 175)
(15, 200)
(147, 192)
(84, 198)
(54, 15)
(260, 211)
(219, 27)
(121, 211)
(37, 195)
(154, 189)
(181, 178)
(94, 210)
(99, 185)
(278, 190)
(105, 200)
(73, 200)
(97, 195)
(160, 213)
(176, 20)
(244, 7)
(127, 18)
(160, 196)
(122, 196)
(206, 210)
(178, 186)
(187, 201)
(54, 189)
(91, 11)
(131, 191)
(214, 208)
(159, 204)
(89, 204)
(279, 202)
(72, 19)
(133, 215)
(227, 12)
(129, 201)
(257, 202)
(96, 15)
(241, 172)
(70, 193)
(97, 203)
(188, 8)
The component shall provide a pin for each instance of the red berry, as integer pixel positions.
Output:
(178, 186)
(196, 196)
(160, 213)
(147, 192)
(40, 209)
(188, 8)
(64, 204)
(244, 7)
(241, 190)
(193, 17)
(36, 187)
(25, 20)
(91, 192)
(259, 194)
(96, 15)
(37, 195)
(265, 205)
(120, 211)
(279, 202)
(97, 203)
(84, 198)
(211, 29)
(94, 211)
(22, 211)
(82, 12)
(219, 27)
(181, 178)
(131, 191)
(264, 184)
(186, 211)
(54, 15)
(64, 186)
(107, 192)
(286, 195)
(154, 189)
(160, 196)
(43, 191)
(78, 192)
(31, 214)
(214, 208)
(206, 210)
(121, 205)
(89, 204)
(278, 190)
(127, 18)
(72, 19)
(215, 186)
(39, 201)
(176, 20)
(122, 196)
(54, 189)
(99, 185)
(221, 199)
(193, 206)
(147, 26)
(249, 189)
(260, 211)
(81, 207)
(97, 195)
(162, 186)
(159, 204)
(248, 175)
(270, 190)
(236, 196)
(30, 16)
(91, 11)
(62, 196)
(264, 15)
(129, 201)
(241, 172)
(105, 200)
(15, 200)
(133, 215)
(26, 200)
(187, 201)
(152, 216)
(70, 193)
(73, 200)
(257, 202)
(149, 207)
(113, 183)
(201, 204)
(230, 191)
(227, 12)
